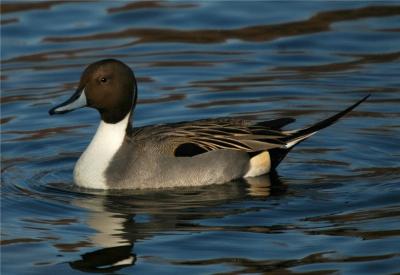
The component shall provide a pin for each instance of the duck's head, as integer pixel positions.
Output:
(109, 86)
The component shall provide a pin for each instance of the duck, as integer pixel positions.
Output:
(188, 153)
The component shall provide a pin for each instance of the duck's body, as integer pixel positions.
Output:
(181, 154)
(167, 155)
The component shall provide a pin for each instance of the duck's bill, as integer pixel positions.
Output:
(77, 100)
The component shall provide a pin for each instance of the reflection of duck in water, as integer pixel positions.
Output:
(116, 251)
(117, 229)
(182, 154)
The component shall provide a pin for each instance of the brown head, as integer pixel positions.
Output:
(108, 86)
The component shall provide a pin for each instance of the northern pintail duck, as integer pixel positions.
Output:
(194, 153)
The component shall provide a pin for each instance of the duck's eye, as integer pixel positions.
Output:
(103, 80)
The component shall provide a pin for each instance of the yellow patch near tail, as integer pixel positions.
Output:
(259, 165)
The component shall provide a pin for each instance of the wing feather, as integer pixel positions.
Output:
(209, 135)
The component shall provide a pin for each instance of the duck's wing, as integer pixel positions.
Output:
(196, 137)
(193, 138)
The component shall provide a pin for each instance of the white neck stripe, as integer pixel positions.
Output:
(90, 169)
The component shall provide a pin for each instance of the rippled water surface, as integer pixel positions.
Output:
(334, 205)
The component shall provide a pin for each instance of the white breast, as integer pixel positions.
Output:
(90, 168)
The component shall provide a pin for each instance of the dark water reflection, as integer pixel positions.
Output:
(333, 208)
(157, 212)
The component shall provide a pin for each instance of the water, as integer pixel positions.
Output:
(334, 205)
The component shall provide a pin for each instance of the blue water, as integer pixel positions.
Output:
(333, 207)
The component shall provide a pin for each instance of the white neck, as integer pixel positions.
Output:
(90, 168)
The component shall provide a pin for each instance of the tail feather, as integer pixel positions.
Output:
(303, 134)
(278, 154)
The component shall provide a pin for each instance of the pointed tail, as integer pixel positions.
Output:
(302, 134)
(295, 137)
